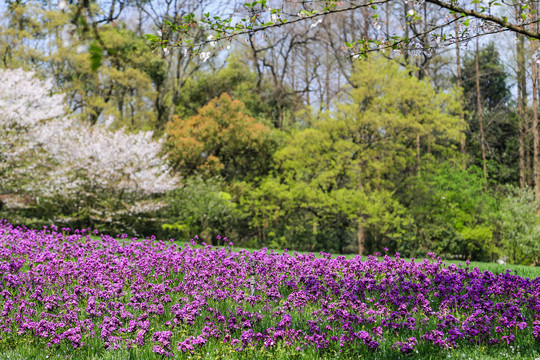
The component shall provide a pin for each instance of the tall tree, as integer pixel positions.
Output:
(536, 136)
(521, 78)
(460, 85)
(347, 166)
(479, 109)
(486, 93)
(522, 107)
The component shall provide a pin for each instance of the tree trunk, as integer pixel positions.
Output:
(418, 153)
(327, 79)
(361, 236)
(522, 106)
(536, 163)
(521, 150)
(479, 112)
(528, 162)
(460, 84)
(176, 81)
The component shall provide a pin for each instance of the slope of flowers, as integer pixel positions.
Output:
(70, 290)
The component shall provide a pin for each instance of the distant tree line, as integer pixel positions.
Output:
(281, 140)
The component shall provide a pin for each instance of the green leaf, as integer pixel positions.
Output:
(96, 55)
(151, 37)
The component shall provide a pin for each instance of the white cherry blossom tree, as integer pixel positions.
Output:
(86, 170)
(26, 104)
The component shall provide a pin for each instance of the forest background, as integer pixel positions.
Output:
(281, 139)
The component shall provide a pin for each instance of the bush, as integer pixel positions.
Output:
(520, 226)
(200, 207)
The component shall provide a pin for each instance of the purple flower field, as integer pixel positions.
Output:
(165, 299)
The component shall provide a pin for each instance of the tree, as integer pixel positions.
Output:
(347, 166)
(222, 139)
(85, 173)
(20, 25)
(493, 80)
(522, 108)
(124, 88)
(520, 229)
(493, 130)
(453, 213)
(26, 104)
(237, 80)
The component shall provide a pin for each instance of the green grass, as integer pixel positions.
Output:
(531, 272)
(522, 351)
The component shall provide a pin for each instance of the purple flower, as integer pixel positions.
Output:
(161, 351)
(185, 346)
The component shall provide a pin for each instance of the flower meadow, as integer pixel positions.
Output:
(65, 291)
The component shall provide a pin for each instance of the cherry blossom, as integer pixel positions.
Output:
(58, 155)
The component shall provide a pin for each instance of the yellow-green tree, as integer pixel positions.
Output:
(125, 85)
(130, 84)
(349, 165)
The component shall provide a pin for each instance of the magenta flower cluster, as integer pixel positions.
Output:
(68, 289)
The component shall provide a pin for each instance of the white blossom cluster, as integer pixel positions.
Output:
(26, 104)
(75, 157)
(105, 159)
(26, 101)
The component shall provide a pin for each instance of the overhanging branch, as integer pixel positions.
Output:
(487, 17)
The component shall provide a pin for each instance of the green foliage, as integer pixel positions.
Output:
(235, 79)
(200, 207)
(119, 78)
(502, 140)
(262, 100)
(454, 214)
(294, 215)
(520, 227)
(342, 172)
(222, 139)
(390, 109)
(96, 55)
(24, 23)
(494, 89)
(500, 122)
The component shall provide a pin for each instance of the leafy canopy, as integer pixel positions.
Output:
(222, 139)
(345, 169)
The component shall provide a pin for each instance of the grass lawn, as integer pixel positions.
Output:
(531, 272)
